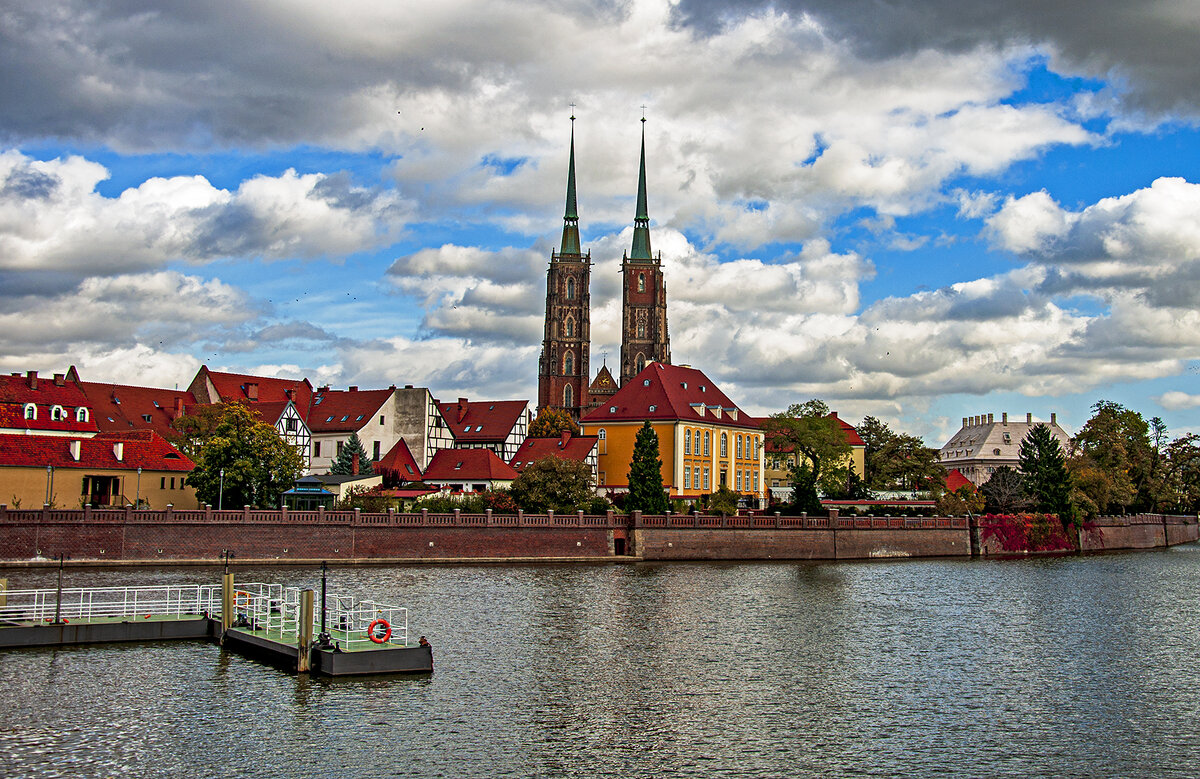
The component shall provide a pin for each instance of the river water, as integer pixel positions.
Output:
(1073, 666)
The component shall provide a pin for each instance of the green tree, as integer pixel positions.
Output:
(1043, 469)
(724, 501)
(646, 493)
(814, 443)
(1181, 480)
(551, 422)
(1113, 461)
(344, 464)
(192, 431)
(875, 434)
(555, 484)
(258, 465)
(956, 503)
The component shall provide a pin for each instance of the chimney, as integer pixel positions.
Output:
(354, 465)
(566, 436)
(178, 407)
(353, 388)
(462, 408)
(119, 451)
(1004, 417)
(252, 390)
(1054, 417)
(1028, 418)
(324, 388)
(408, 386)
(964, 421)
(290, 394)
(990, 419)
(76, 447)
(59, 380)
(32, 379)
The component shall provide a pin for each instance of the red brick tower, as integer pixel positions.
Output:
(563, 368)
(644, 336)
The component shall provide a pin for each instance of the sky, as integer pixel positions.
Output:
(917, 210)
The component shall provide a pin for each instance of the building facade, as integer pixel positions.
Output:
(983, 444)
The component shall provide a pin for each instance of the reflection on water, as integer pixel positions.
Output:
(1066, 666)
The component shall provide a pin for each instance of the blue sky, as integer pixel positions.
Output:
(995, 212)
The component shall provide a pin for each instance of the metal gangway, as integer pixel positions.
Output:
(97, 604)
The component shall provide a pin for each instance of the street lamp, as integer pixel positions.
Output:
(221, 491)
(49, 483)
(137, 503)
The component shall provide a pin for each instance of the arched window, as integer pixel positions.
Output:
(570, 289)
(81, 414)
(641, 329)
(641, 282)
(601, 434)
(30, 411)
(724, 445)
(706, 440)
(641, 362)
(739, 447)
(57, 413)
(569, 327)
(687, 441)
(568, 364)
(568, 396)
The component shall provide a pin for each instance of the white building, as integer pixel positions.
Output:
(983, 444)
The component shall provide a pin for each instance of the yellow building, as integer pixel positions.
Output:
(704, 439)
(109, 469)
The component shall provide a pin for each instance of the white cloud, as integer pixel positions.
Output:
(1175, 400)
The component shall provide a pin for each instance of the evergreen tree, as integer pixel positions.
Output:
(344, 464)
(646, 492)
(1043, 469)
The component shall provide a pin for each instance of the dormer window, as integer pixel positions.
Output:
(653, 409)
(645, 382)
(57, 414)
(145, 417)
(30, 411)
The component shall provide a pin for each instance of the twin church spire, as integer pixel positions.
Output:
(563, 367)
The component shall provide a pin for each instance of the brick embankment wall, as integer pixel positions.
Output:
(686, 537)
(1139, 531)
(278, 535)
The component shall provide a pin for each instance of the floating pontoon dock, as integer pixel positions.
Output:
(269, 621)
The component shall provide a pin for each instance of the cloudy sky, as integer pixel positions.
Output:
(918, 210)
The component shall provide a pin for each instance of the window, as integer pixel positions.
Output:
(359, 419)
(376, 452)
(568, 396)
(687, 479)
(724, 445)
(601, 434)
(696, 477)
(57, 414)
(162, 482)
(30, 411)
(641, 282)
(381, 420)
(569, 327)
(687, 444)
(568, 364)
(172, 482)
(570, 290)
(739, 447)
(641, 362)
(81, 414)
(1007, 438)
(653, 408)
(738, 481)
(145, 417)
(706, 478)
(289, 425)
(316, 448)
(641, 329)
(339, 447)
(706, 448)
(756, 481)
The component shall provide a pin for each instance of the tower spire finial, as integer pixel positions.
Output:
(570, 236)
(641, 220)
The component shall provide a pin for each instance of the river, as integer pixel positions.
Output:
(1072, 666)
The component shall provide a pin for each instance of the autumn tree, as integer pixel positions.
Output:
(1112, 461)
(646, 493)
(344, 464)
(1043, 469)
(555, 484)
(551, 422)
(194, 429)
(896, 460)
(1004, 492)
(243, 461)
(812, 441)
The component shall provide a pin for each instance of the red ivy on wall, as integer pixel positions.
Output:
(1025, 532)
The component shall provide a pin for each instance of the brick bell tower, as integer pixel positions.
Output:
(563, 368)
(644, 336)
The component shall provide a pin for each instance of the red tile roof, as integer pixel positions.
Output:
(143, 449)
(482, 421)
(123, 407)
(566, 446)
(345, 410)
(670, 392)
(242, 386)
(399, 462)
(955, 479)
(17, 391)
(468, 465)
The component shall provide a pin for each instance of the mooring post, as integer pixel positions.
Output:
(304, 642)
(226, 604)
(58, 595)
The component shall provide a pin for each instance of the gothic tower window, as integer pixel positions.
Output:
(641, 282)
(641, 362)
(569, 327)
(570, 289)
(567, 396)
(568, 364)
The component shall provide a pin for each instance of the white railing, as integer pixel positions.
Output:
(268, 607)
(100, 603)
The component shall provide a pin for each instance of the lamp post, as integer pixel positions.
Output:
(49, 483)
(137, 502)
(221, 491)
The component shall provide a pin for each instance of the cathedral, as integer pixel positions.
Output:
(563, 368)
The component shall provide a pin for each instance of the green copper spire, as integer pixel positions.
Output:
(641, 220)
(570, 236)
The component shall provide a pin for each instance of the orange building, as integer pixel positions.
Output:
(704, 439)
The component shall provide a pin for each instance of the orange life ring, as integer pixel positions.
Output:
(241, 599)
(387, 631)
